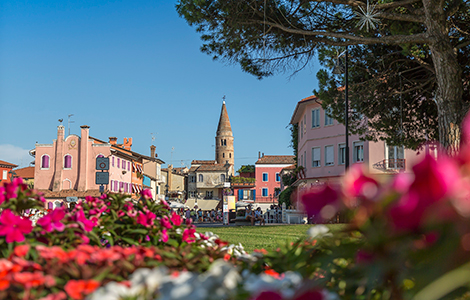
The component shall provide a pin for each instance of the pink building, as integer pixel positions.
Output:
(322, 151)
(65, 170)
(268, 178)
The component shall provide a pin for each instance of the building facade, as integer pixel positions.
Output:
(268, 176)
(322, 148)
(6, 172)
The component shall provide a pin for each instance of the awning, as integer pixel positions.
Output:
(202, 204)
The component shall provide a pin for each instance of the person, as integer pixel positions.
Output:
(187, 214)
(249, 215)
(259, 216)
(193, 215)
(199, 214)
(212, 215)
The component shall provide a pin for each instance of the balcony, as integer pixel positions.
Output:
(391, 165)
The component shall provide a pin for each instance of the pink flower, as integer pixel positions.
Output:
(188, 235)
(82, 220)
(52, 220)
(310, 295)
(146, 219)
(321, 202)
(14, 227)
(176, 219)
(2, 194)
(433, 183)
(268, 295)
(147, 194)
(166, 222)
(164, 237)
(358, 184)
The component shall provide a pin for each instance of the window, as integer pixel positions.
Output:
(111, 185)
(265, 176)
(315, 118)
(118, 162)
(230, 155)
(222, 178)
(68, 162)
(115, 185)
(329, 156)
(209, 194)
(305, 159)
(305, 124)
(316, 157)
(5, 174)
(278, 178)
(201, 178)
(395, 156)
(301, 159)
(328, 119)
(223, 155)
(45, 162)
(128, 166)
(341, 154)
(358, 151)
(190, 194)
(301, 129)
(123, 164)
(264, 192)
(192, 178)
(112, 161)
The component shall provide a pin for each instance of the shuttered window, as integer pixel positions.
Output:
(316, 156)
(329, 156)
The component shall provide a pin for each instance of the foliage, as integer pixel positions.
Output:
(238, 179)
(285, 196)
(246, 169)
(424, 40)
(294, 141)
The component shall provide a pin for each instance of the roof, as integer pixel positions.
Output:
(214, 167)
(300, 106)
(25, 173)
(200, 162)
(276, 160)
(291, 167)
(69, 193)
(7, 164)
(224, 127)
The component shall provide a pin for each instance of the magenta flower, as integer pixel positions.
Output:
(188, 235)
(166, 222)
(176, 219)
(321, 202)
(52, 220)
(164, 237)
(358, 184)
(82, 220)
(433, 183)
(14, 227)
(147, 194)
(2, 194)
(268, 295)
(146, 219)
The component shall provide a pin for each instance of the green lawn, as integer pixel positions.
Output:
(257, 237)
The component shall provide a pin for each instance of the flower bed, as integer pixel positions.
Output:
(405, 239)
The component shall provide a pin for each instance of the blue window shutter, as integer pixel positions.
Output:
(253, 194)
(240, 194)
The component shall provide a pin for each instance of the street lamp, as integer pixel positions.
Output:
(340, 69)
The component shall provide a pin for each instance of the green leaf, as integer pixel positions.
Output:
(129, 241)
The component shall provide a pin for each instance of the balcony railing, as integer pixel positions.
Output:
(391, 165)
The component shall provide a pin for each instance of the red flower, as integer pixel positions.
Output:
(273, 273)
(21, 250)
(310, 295)
(188, 235)
(14, 227)
(78, 289)
(28, 279)
(56, 296)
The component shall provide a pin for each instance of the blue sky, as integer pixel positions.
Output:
(130, 69)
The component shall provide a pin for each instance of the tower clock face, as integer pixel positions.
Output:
(73, 143)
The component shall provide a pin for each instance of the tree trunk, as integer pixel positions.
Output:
(449, 93)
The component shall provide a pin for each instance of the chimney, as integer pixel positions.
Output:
(263, 155)
(127, 143)
(83, 162)
(113, 140)
(259, 154)
(152, 151)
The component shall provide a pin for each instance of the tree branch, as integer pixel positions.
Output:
(402, 17)
(419, 38)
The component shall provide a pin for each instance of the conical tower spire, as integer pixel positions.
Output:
(224, 152)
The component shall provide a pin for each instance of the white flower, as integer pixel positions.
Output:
(318, 231)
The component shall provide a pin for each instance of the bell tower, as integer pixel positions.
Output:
(224, 140)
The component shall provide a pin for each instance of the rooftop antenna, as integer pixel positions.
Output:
(152, 134)
(171, 160)
(68, 121)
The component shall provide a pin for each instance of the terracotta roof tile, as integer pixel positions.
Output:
(7, 164)
(25, 173)
(200, 162)
(70, 193)
(291, 167)
(214, 167)
(276, 159)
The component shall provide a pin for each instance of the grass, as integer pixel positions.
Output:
(266, 237)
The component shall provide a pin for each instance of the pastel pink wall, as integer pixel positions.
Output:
(120, 174)
(81, 175)
(325, 135)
